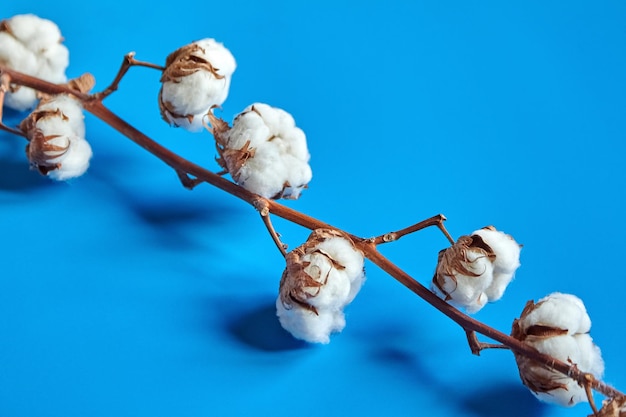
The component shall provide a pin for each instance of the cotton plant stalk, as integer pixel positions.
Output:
(323, 275)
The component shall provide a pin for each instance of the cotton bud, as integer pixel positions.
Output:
(264, 151)
(196, 78)
(56, 135)
(558, 326)
(31, 45)
(322, 276)
(476, 269)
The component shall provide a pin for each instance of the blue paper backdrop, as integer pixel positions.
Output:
(123, 294)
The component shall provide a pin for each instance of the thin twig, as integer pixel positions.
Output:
(263, 208)
(5, 81)
(433, 221)
(477, 346)
(128, 61)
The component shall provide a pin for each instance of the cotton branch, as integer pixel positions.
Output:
(369, 247)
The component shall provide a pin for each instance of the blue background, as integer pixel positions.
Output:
(123, 294)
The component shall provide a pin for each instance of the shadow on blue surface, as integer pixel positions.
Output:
(504, 399)
(15, 174)
(261, 330)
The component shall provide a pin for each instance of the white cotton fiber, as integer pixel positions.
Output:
(507, 253)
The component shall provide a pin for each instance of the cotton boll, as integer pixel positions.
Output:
(55, 131)
(558, 326)
(196, 78)
(464, 272)
(33, 46)
(264, 151)
(321, 277)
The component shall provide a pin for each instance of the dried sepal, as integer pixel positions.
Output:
(558, 326)
(185, 61)
(321, 277)
(612, 407)
(82, 84)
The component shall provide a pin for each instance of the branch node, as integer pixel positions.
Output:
(477, 346)
(188, 182)
(262, 206)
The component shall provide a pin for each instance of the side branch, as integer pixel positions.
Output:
(5, 80)
(129, 61)
(393, 236)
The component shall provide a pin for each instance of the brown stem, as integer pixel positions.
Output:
(477, 346)
(433, 221)
(5, 81)
(367, 246)
(263, 208)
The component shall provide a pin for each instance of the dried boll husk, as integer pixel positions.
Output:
(612, 407)
(558, 326)
(321, 277)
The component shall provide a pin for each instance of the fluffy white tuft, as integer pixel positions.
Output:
(507, 252)
(32, 45)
